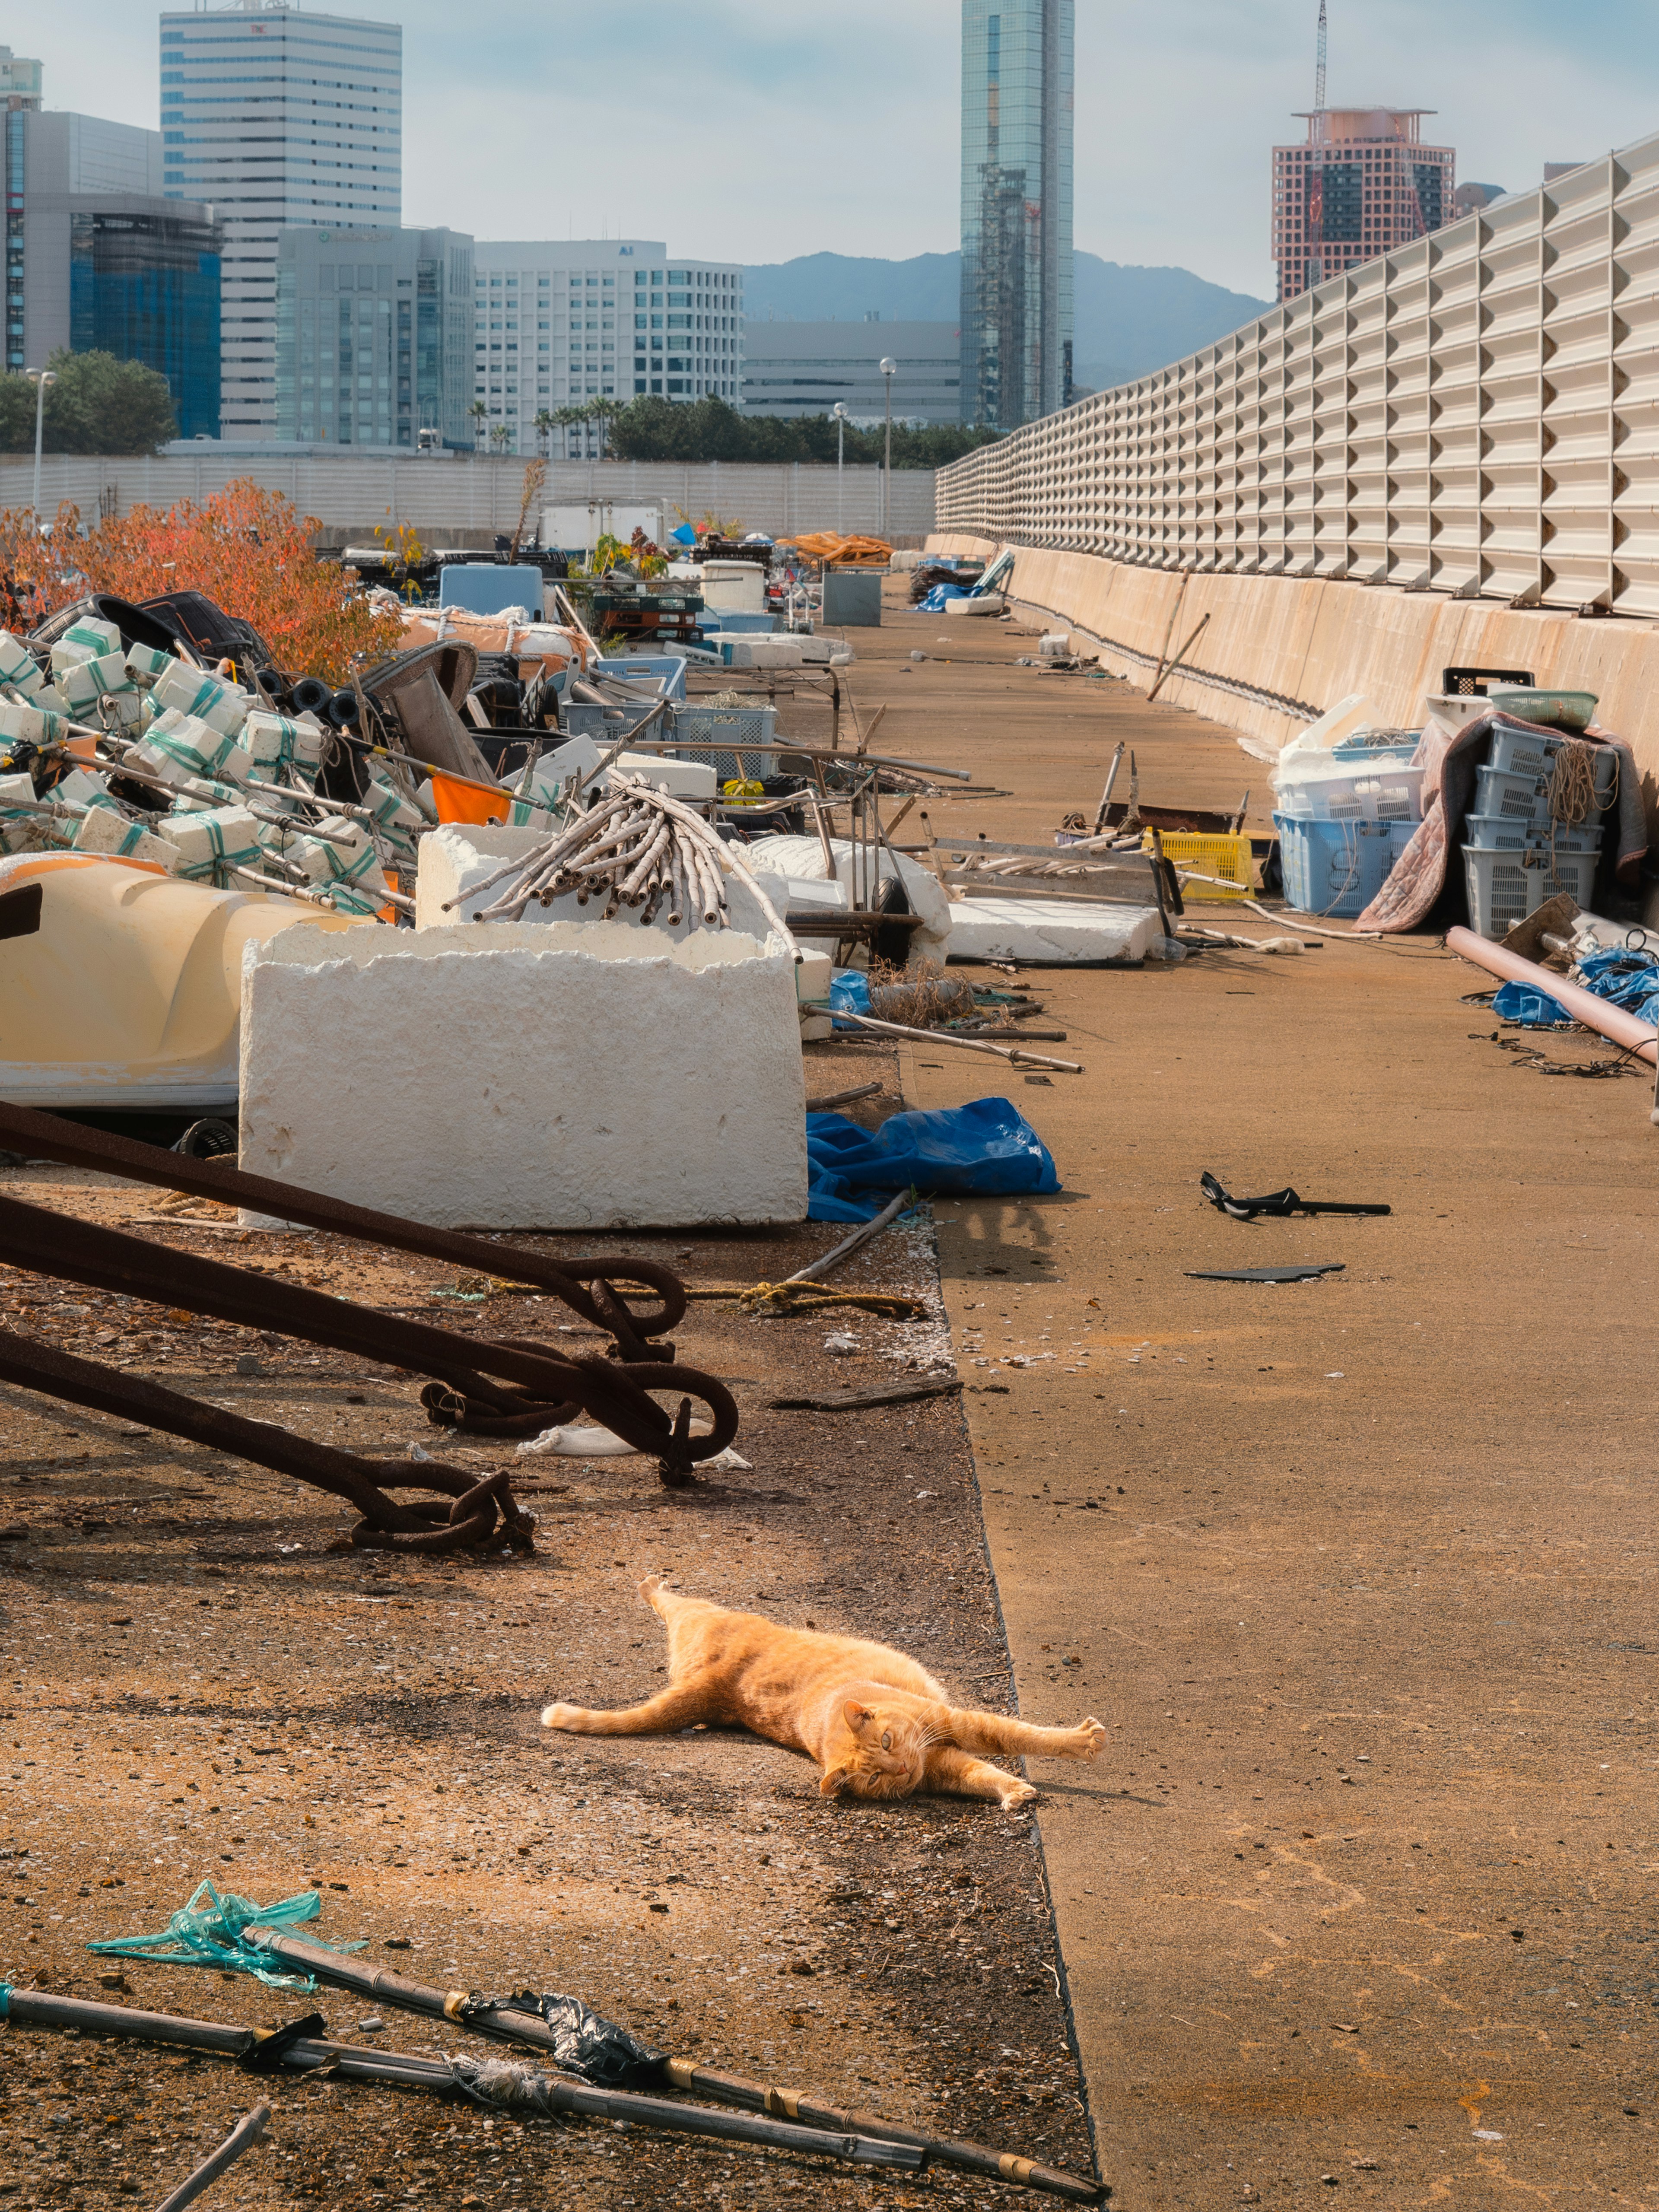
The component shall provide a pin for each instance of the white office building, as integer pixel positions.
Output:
(811, 369)
(277, 117)
(557, 323)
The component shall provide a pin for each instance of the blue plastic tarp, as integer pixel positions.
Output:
(986, 1149)
(941, 597)
(1630, 979)
(1533, 1009)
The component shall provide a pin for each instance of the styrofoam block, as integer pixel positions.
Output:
(33, 723)
(1051, 932)
(178, 746)
(223, 707)
(461, 856)
(271, 739)
(579, 756)
(102, 830)
(209, 839)
(18, 666)
(88, 683)
(575, 1076)
(146, 662)
(802, 858)
(80, 788)
(89, 638)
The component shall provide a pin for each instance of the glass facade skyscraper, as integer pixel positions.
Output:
(1016, 84)
(144, 286)
(280, 117)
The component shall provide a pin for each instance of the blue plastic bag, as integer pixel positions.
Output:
(849, 994)
(986, 1149)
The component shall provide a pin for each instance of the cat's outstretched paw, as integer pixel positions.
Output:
(1090, 1736)
(1016, 1793)
(561, 1717)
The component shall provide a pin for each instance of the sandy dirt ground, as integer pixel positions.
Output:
(199, 1688)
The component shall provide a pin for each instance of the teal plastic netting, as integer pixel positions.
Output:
(209, 1931)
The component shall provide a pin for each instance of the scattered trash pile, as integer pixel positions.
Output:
(585, 2066)
(983, 596)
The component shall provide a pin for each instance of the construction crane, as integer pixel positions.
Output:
(1319, 73)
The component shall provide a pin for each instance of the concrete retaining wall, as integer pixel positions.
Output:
(467, 501)
(1278, 650)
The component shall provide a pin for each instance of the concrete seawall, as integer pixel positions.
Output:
(1279, 649)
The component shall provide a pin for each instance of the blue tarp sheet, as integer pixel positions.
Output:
(942, 597)
(987, 1148)
(849, 994)
(1630, 979)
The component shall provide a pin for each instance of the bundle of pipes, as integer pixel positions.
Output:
(642, 848)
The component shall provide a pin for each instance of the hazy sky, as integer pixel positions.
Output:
(752, 129)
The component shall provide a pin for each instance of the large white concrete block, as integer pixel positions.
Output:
(557, 1077)
(1052, 932)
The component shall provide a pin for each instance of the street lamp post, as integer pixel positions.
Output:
(39, 378)
(841, 455)
(889, 370)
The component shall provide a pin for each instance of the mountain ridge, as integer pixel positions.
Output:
(1128, 320)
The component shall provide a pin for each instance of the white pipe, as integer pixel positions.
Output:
(1599, 1014)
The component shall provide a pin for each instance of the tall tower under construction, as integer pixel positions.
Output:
(1017, 66)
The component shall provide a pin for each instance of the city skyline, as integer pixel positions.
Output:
(789, 89)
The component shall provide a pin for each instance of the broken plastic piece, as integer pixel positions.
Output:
(1277, 1203)
(1264, 1274)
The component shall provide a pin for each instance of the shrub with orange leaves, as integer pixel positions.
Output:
(248, 549)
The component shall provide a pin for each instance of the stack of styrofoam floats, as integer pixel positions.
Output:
(1521, 845)
(231, 786)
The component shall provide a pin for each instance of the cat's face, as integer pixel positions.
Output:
(887, 1756)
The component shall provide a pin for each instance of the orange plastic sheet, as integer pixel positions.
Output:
(836, 551)
(459, 800)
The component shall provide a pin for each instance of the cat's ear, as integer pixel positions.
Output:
(832, 1784)
(857, 1716)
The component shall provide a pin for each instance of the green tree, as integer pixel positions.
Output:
(544, 421)
(478, 411)
(712, 430)
(98, 406)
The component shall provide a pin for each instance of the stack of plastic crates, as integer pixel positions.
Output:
(1516, 855)
(1343, 821)
(738, 726)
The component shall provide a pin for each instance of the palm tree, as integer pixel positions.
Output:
(600, 411)
(499, 436)
(565, 419)
(544, 421)
(478, 411)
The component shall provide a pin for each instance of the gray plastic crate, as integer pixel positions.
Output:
(721, 725)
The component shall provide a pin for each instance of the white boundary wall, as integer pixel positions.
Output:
(1477, 413)
(482, 494)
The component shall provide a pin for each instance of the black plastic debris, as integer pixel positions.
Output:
(1264, 1274)
(585, 2042)
(1277, 1204)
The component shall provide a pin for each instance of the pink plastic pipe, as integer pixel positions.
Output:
(1611, 1022)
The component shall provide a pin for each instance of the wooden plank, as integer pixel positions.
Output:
(847, 1401)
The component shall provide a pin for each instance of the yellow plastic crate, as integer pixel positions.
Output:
(1225, 862)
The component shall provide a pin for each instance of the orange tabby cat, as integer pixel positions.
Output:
(877, 1724)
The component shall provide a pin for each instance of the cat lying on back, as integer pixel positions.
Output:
(877, 1724)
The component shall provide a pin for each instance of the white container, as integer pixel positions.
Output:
(1505, 888)
(1368, 791)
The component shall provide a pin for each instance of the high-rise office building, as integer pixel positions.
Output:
(1363, 185)
(1017, 69)
(98, 259)
(20, 81)
(279, 118)
(557, 323)
(373, 337)
(810, 368)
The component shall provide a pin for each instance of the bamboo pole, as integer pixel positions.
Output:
(961, 1043)
(243, 2137)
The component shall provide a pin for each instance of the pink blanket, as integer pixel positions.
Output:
(1418, 875)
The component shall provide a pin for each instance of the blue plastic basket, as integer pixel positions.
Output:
(1517, 798)
(1502, 833)
(1524, 752)
(1336, 868)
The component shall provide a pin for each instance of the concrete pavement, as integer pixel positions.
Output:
(1358, 1572)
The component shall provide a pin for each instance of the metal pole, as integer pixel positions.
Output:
(888, 368)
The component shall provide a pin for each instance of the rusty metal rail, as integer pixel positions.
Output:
(501, 1388)
(468, 1513)
(587, 1286)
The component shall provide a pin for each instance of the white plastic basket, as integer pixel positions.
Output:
(1504, 887)
(1368, 791)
